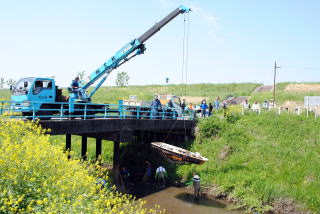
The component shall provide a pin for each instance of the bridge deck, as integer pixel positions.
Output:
(108, 129)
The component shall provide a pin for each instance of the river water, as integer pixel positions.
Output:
(180, 201)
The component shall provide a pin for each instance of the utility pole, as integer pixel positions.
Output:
(274, 82)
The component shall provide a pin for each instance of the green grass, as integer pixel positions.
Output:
(107, 147)
(4, 94)
(271, 157)
(282, 95)
(113, 94)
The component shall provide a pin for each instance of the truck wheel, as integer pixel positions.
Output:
(27, 115)
(44, 115)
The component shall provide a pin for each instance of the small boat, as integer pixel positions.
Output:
(177, 154)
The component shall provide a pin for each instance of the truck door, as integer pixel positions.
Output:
(43, 91)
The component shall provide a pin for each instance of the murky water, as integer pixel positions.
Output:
(180, 201)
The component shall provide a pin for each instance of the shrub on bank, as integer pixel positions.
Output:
(36, 177)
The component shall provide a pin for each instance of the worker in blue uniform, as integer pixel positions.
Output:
(155, 107)
(75, 86)
(204, 108)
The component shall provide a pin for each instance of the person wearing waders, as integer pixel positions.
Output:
(147, 174)
(161, 176)
(196, 186)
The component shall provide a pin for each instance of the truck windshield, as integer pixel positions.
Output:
(22, 87)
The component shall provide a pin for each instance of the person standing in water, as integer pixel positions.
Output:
(195, 181)
(196, 186)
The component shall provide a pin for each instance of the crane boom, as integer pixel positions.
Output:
(133, 48)
(155, 28)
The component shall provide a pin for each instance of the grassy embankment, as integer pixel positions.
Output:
(195, 92)
(285, 93)
(260, 160)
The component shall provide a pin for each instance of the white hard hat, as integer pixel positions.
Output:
(196, 177)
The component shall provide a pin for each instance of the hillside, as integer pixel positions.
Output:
(261, 161)
(289, 93)
(194, 92)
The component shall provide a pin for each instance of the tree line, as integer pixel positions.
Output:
(9, 82)
(122, 80)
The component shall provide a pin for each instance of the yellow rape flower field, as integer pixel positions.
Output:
(37, 177)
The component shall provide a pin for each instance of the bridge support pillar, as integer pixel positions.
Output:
(84, 147)
(68, 144)
(98, 148)
(116, 161)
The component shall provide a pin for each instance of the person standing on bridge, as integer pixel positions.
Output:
(155, 106)
(170, 104)
(161, 175)
(183, 105)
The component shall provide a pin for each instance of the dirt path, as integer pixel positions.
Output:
(263, 88)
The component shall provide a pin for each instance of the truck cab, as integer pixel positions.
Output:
(176, 102)
(30, 92)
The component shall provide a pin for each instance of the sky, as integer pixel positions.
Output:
(228, 41)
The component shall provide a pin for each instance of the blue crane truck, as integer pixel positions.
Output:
(41, 96)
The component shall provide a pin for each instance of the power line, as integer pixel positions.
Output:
(303, 68)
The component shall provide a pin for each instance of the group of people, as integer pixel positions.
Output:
(208, 109)
(160, 176)
(256, 106)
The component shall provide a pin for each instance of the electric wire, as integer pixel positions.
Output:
(187, 54)
(183, 53)
(186, 76)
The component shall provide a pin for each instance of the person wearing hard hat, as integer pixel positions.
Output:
(196, 186)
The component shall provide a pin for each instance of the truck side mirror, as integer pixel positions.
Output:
(25, 84)
(11, 87)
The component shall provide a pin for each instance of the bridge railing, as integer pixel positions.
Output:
(63, 110)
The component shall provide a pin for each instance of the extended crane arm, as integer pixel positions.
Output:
(155, 28)
(133, 48)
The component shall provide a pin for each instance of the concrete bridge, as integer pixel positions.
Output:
(119, 130)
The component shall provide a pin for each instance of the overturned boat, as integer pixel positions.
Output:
(177, 154)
